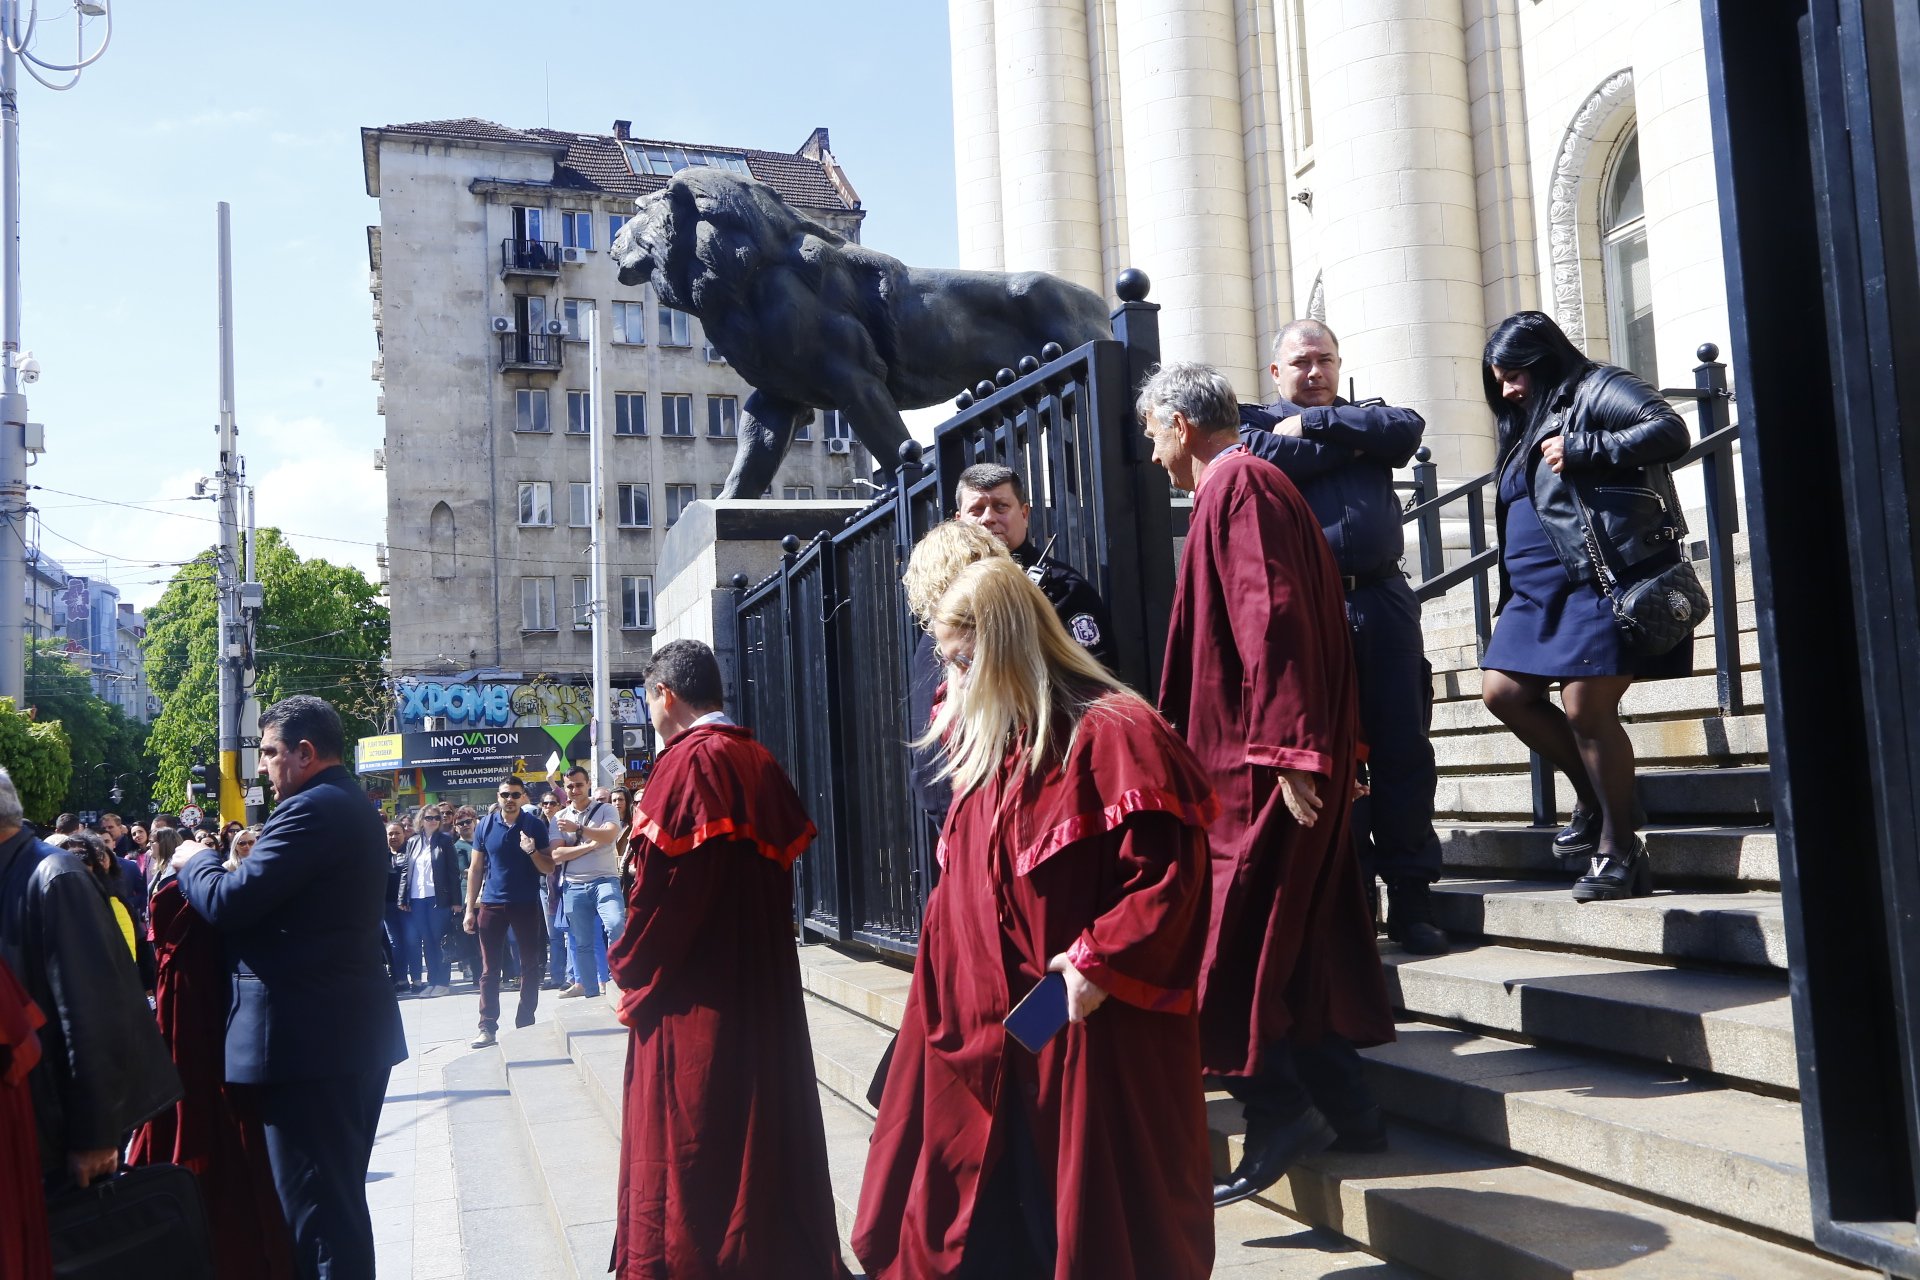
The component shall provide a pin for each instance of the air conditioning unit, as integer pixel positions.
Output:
(838, 446)
(714, 356)
(379, 459)
(556, 328)
(574, 255)
(502, 324)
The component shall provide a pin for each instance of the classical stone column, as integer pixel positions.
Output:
(1049, 195)
(976, 134)
(1398, 220)
(1262, 110)
(1187, 179)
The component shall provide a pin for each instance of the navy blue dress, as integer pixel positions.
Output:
(1553, 626)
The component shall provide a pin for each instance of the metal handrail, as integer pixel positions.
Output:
(536, 256)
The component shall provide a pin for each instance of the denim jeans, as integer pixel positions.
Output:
(426, 926)
(559, 958)
(595, 916)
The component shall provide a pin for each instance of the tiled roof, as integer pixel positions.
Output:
(595, 162)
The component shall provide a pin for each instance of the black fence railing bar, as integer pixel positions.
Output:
(530, 257)
(532, 350)
(1714, 455)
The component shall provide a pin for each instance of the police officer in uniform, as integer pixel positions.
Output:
(1342, 456)
(994, 497)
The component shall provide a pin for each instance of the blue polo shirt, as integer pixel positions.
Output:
(511, 876)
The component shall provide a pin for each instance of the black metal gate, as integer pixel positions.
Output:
(826, 642)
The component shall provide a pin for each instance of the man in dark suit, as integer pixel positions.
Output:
(314, 1028)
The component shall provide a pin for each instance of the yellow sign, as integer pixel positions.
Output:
(384, 749)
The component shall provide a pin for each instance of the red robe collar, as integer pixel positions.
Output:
(716, 782)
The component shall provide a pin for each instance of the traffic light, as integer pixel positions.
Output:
(201, 776)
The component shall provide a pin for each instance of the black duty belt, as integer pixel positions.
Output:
(1352, 581)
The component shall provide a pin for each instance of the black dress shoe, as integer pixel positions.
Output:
(1608, 879)
(1410, 918)
(1362, 1132)
(1580, 837)
(1271, 1153)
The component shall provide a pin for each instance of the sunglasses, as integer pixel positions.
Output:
(513, 795)
(431, 817)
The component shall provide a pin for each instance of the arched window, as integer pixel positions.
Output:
(1623, 232)
(440, 539)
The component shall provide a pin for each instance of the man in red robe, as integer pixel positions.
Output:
(723, 1156)
(1259, 678)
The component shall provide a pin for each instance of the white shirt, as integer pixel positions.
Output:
(422, 877)
(604, 862)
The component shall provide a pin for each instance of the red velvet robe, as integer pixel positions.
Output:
(214, 1129)
(1103, 857)
(24, 1251)
(1259, 676)
(723, 1157)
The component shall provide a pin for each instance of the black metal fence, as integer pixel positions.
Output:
(532, 350)
(826, 643)
(529, 257)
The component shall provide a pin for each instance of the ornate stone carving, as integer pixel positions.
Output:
(1590, 123)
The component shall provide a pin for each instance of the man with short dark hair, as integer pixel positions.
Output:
(1259, 679)
(994, 497)
(723, 1157)
(510, 855)
(1342, 456)
(589, 864)
(314, 1030)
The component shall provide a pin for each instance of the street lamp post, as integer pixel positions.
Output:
(16, 40)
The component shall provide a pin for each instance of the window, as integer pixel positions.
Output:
(636, 604)
(673, 328)
(630, 323)
(615, 221)
(665, 159)
(440, 535)
(1623, 229)
(575, 312)
(530, 409)
(635, 509)
(536, 504)
(536, 604)
(797, 493)
(576, 229)
(582, 605)
(805, 430)
(841, 493)
(837, 426)
(723, 416)
(579, 505)
(530, 313)
(679, 498)
(526, 222)
(629, 413)
(579, 412)
(676, 415)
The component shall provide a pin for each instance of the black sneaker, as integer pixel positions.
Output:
(1410, 919)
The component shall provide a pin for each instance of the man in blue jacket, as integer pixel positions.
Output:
(1342, 456)
(314, 1025)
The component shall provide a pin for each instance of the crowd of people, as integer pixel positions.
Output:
(1138, 901)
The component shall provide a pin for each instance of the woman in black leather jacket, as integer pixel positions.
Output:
(1574, 435)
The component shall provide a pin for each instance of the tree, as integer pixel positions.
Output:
(322, 630)
(37, 757)
(105, 743)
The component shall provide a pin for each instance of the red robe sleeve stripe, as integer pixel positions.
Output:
(674, 846)
(1143, 995)
(1193, 812)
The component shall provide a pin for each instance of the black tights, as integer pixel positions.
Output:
(1586, 741)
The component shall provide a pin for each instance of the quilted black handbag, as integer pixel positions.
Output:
(1653, 614)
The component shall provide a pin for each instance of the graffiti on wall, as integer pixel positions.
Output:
(541, 700)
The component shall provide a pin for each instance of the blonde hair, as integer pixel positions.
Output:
(234, 856)
(937, 560)
(1030, 682)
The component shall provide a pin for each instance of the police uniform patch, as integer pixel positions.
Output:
(1085, 630)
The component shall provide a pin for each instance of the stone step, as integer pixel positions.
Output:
(1457, 708)
(1463, 1213)
(1726, 1152)
(1735, 1025)
(1746, 930)
(1465, 655)
(576, 1150)
(1736, 796)
(1740, 855)
(507, 1228)
(1706, 740)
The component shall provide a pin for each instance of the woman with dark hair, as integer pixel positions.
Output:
(1584, 450)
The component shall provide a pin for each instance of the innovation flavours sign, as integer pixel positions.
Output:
(457, 758)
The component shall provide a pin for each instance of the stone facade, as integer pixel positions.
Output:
(455, 257)
(1410, 171)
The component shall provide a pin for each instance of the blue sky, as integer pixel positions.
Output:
(261, 105)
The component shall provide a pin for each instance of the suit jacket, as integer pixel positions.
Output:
(302, 924)
(449, 886)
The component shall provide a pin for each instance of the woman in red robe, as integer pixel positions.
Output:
(1076, 844)
(24, 1251)
(723, 1155)
(214, 1129)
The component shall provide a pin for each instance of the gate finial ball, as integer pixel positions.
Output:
(1132, 285)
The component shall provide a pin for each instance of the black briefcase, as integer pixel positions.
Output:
(147, 1222)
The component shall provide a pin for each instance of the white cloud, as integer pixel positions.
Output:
(200, 120)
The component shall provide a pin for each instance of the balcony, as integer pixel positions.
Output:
(529, 257)
(535, 352)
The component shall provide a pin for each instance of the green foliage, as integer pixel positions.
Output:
(37, 757)
(104, 741)
(322, 630)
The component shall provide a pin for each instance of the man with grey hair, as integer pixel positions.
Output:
(1342, 455)
(104, 1068)
(1259, 679)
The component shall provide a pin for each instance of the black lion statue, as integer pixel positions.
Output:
(815, 321)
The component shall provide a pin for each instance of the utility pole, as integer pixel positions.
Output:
(600, 724)
(235, 619)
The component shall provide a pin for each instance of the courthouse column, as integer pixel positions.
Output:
(1187, 180)
(1396, 209)
(1049, 195)
(976, 134)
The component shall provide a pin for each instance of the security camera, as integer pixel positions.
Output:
(28, 366)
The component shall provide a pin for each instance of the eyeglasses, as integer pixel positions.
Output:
(513, 795)
(549, 803)
(431, 817)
